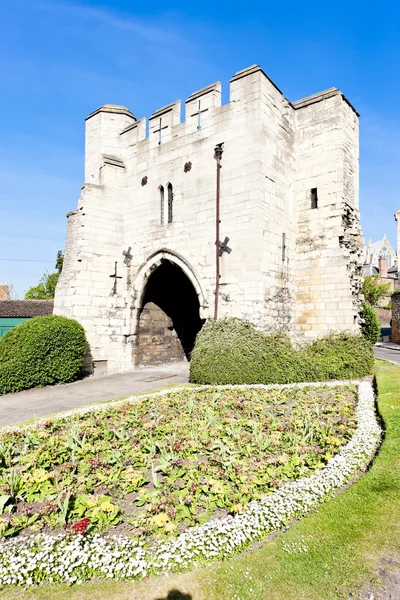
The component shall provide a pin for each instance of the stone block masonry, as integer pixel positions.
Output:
(396, 318)
(289, 205)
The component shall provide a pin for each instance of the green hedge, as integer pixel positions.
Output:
(371, 327)
(232, 351)
(41, 351)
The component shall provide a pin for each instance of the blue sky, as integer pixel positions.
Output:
(61, 60)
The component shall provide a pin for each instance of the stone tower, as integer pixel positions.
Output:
(139, 269)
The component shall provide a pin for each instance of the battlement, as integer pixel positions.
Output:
(162, 121)
(321, 96)
(252, 70)
(112, 129)
(113, 109)
(200, 107)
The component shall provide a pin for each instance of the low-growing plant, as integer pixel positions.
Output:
(99, 510)
(64, 504)
(4, 499)
(81, 526)
(5, 455)
(13, 481)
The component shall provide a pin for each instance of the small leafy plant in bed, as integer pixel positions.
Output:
(154, 467)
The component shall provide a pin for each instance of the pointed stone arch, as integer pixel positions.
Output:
(154, 261)
(168, 301)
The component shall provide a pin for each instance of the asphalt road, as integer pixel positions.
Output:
(387, 354)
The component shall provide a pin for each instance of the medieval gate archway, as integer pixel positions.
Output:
(169, 314)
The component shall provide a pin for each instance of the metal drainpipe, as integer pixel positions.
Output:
(218, 150)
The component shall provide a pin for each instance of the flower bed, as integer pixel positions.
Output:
(153, 467)
(80, 557)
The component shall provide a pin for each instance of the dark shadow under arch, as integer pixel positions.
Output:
(169, 318)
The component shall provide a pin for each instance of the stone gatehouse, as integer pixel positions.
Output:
(140, 260)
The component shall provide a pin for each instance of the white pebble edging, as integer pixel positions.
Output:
(30, 560)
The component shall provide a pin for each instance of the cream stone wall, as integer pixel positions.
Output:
(329, 238)
(397, 218)
(292, 267)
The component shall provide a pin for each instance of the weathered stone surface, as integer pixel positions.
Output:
(275, 153)
(396, 318)
(156, 340)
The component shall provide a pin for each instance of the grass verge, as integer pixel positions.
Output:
(332, 553)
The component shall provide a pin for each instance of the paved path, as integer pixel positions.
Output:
(387, 353)
(45, 401)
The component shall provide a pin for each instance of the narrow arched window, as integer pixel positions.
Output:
(170, 203)
(161, 188)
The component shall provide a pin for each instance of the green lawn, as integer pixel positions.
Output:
(344, 541)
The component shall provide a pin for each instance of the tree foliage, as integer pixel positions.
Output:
(59, 261)
(371, 327)
(374, 289)
(46, 288)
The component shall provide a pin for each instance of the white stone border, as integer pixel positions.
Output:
(30, 560)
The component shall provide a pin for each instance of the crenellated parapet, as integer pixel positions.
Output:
(162, 122)
(113, 129)
(200, 105)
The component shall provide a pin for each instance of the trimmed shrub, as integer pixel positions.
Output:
(337, 356)
(232, 351)
(41, 351)
(371, 327)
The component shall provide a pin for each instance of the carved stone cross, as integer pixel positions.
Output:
(127, 254)
(198, 113)
(223, 247)
(159, 130)
(115, 277)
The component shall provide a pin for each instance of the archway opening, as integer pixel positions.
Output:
(169, 318)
